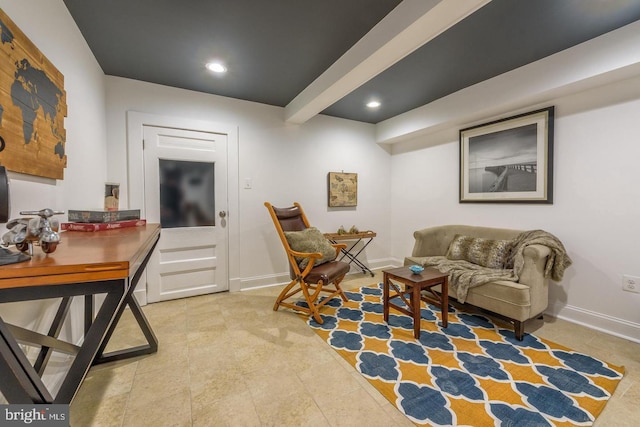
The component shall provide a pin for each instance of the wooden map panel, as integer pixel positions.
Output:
(33, 105)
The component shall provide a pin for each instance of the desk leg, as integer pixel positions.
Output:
(92, 342)
(152, 341)
(54, 331)
(136, 310)
(21, 384)
(144, 325)
(88, 312)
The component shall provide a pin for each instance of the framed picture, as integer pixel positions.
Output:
(33, 106)
(508, 160)
(343, 189)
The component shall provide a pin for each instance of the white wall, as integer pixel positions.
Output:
(595, 211)
(286, 163)
(49, 26)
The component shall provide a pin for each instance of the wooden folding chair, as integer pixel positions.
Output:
(312, 279)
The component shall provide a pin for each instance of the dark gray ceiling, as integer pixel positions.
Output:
(275, 48)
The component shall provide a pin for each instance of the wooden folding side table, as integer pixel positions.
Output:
(351, 252)
(414, 285)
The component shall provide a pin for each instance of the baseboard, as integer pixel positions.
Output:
(395, 262)
(374, 265)
(141, 296)
(256, 282)
(235, 284)
(598, 321)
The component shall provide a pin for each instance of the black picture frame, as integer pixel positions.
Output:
(508, 160)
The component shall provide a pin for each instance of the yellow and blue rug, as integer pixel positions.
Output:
(472, 373)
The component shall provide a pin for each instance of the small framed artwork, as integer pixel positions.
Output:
(508, 160)
(343, 189)
(111, 196)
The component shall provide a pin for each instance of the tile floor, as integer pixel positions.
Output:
(229, 360)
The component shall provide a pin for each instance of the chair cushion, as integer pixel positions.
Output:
(310, 240)
(485, 252)
(327, 272)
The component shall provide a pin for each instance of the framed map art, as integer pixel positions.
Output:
(343, 189)
(33, 105)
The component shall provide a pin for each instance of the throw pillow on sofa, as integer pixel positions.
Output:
(485, 252)
(310, 240)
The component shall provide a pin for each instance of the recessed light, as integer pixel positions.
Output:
(374, 104)
(216, 67)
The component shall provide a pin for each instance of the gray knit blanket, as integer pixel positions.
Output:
(464, 275)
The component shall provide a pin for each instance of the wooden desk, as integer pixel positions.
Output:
(350, 253)
(84, 264)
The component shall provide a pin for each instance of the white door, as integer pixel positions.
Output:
(185, 190)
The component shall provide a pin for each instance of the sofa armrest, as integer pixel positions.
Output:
(433, 241)
(422, 239)
(532, 275)
(537, 252)
(535, 259)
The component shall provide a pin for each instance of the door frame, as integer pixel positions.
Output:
(135, 188)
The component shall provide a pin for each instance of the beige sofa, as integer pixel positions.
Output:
(517, 301)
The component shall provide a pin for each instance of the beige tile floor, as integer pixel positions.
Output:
(229, 360)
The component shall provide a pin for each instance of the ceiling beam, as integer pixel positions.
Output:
(406, 28)
(611, 57)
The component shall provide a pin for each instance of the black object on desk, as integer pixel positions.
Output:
(8, 256)
(350, 253)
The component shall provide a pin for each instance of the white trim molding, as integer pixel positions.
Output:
(135, 181)
(601, 322)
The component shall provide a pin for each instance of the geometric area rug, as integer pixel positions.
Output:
(472, 373)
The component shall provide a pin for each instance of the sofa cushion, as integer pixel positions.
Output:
(310, 240)
(485, 252)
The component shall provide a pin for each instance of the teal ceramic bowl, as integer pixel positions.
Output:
(416, 269)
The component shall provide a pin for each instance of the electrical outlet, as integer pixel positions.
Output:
(631, 284)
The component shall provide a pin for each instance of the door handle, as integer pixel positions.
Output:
(222, 214)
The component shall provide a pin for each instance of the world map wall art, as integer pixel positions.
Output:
(33, 105)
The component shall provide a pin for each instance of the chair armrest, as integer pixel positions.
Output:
(314, 255)
(338, 247)
(296, 268)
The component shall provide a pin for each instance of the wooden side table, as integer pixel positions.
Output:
(414, 285)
